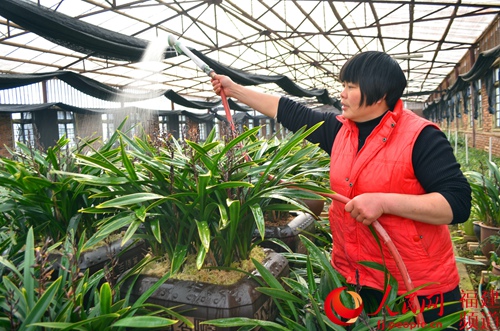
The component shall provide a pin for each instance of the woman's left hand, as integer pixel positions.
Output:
(366, 208)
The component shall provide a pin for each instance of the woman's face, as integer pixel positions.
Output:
(350, 97)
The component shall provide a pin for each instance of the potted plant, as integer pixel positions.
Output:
(495, 263)
(486, 203)
(32, 299)
(38, 191)
(202, 200)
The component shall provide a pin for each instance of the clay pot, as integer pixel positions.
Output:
(486, 245)
(495, 268)
(477, 229)
(316, 206)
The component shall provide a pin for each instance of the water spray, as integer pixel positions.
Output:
(181, 49)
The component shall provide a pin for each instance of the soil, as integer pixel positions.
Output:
(207, 274)
(278, 218)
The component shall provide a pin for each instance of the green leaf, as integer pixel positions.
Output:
(274, 284)
(243, 321)
(41, 306)
(101, 163)
(319, 256)
(179, 257)
(200, 258)
(114, 223)
(105, 300)
(130, 199)
(144, 322)
(18, 294)
(204, 233)
(101, 319)
(156, 229)
(229, 185)
(126, 161)
(279, 294)
(58, 325)
(142, 299)
(464, 260)
(11, 266)
(29, 262)
(259, 219)
(131, 231)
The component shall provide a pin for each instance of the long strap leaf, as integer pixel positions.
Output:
(41, 306)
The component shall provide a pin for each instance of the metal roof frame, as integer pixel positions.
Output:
(307, 41)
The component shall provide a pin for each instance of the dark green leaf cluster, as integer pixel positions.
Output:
(486, 194)
(300, 299)
(37, 189)
(33, 296)
(201, 198)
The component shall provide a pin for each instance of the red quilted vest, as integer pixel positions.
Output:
(384, 164)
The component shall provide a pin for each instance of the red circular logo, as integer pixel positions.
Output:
(333, 305)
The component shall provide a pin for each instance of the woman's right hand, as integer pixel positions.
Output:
(220, 82)
(264, 103)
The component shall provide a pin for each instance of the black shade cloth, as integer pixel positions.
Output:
(466, 87)
(240, 117)
(6, 108)
(81, 83)
(72, 33)
(99, 42)
(15, 108)
(478, 70)
(180, 100)
(101, 91)
(489, 83)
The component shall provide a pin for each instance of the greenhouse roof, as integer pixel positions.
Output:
(306, 42)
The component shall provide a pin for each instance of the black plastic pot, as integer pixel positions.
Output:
(302, 224)
(94, 260)
(202, 301)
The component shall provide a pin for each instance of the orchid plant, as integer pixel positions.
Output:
(198, 198)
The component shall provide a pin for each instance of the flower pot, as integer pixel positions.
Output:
(202, 301)
(495, 268)
(94, 260)
(316, 206)
(486, 232)
(301, 224)
(477, 229)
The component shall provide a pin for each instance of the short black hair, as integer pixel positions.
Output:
(377, 75)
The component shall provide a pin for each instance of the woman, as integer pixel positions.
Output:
(395, 166)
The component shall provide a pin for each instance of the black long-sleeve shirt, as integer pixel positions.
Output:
(435, 165)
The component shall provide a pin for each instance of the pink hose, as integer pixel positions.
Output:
(395, 255)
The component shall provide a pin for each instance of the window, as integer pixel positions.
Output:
(108, 126)
(24, 128)
(66, 125)
(183, 127)
(163, 124)
(474, 104)
(202, 128)
(217, 123)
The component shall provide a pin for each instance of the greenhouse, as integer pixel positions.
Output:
(252, 165)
